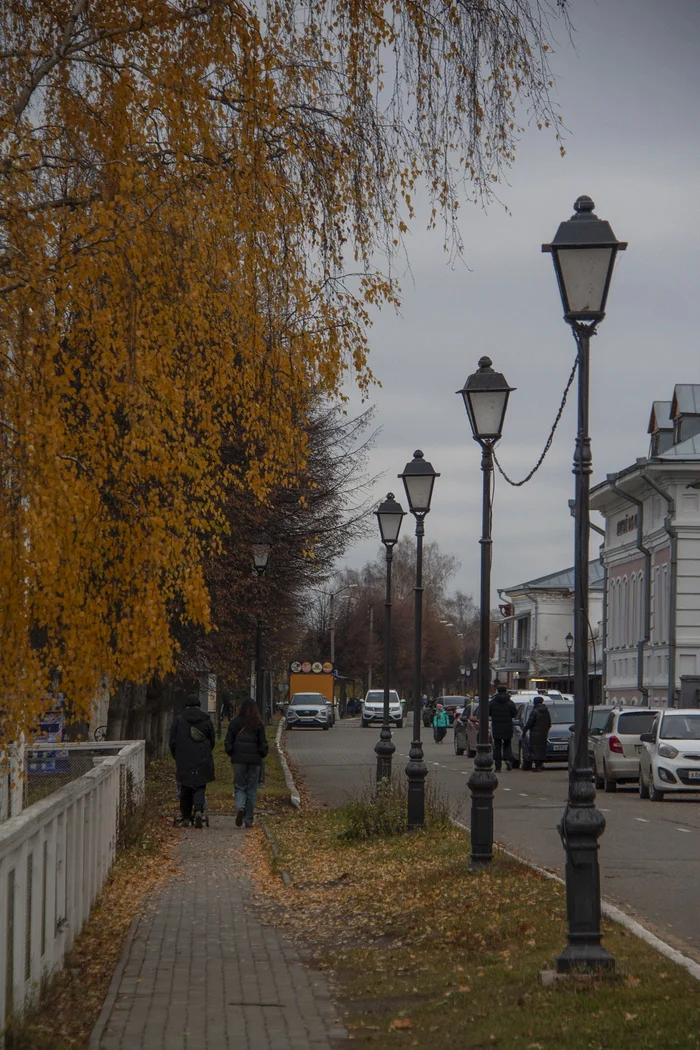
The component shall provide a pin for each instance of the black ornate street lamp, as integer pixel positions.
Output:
(569, 646)
(584, 251)
(390, 514)
(260, 547)
(485, 396)
(418, 480)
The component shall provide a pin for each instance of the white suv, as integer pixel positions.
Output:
(670, 758)
(373, 708)
(616, 746)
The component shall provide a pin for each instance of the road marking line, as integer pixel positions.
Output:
(523, 794)
(642, 820)
(506, 789)
(603, 810)
(686, 831)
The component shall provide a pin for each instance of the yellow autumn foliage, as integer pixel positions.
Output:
(193, 199)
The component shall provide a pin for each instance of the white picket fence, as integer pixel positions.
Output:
(54, 858)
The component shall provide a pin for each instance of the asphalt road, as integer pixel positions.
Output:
(649, 855)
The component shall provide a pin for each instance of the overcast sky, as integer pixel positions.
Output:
(629, 95)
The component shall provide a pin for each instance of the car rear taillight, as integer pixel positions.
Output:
(615, 745)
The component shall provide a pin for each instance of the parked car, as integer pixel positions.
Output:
(670, 755)
(373, 708)
(308, 709)
(616, 745)
(466, 729)
(597, 718)
(562, 714)
(452, 705)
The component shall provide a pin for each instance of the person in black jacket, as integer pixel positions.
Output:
(538, 726)
(502, 711)
(191, 745)
(246, 745)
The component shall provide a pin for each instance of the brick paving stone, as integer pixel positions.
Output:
(201, 972)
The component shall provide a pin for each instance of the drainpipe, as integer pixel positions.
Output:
(643, 642)
(672, 534)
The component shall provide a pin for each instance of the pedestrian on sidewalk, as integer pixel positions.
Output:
(246, 745)
(538, 726)
(502, 711)
(192, 741)
(441, 721)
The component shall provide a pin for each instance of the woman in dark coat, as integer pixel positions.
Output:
(191, 745)
(538, 726)
(246, 745)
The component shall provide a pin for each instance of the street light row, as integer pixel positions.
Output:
(584, 252)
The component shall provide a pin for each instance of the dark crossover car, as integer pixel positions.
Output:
(452, 704)
(562, 714)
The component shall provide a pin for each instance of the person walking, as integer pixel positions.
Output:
(246, 745)
(538, 726)
(191, 745)
(502, 711)
(441, 721)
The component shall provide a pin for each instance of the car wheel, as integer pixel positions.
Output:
(654, 794)
(364, 724)
(643, 789)
(608, 785)
(288, 728)
(325, 728)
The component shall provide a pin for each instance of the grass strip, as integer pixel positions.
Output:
(424, 952)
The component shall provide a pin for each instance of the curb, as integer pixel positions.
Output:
(294, 797)
(286, 877)
(113, 990)
(610, 912)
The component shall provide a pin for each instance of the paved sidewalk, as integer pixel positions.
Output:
(200, 971)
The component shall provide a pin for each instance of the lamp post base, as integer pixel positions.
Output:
(580, 828)
(482, 784)
(384, 750)
(416, 771)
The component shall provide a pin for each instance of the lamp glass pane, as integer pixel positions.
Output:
(419, 489)
(487, 411)
(584, 272)
(261, 553)
(390, 526)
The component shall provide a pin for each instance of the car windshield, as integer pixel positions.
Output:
(681, 727)
(599, 718)
(635, 722)
(302, 699)
(376, 696)
(561, 712)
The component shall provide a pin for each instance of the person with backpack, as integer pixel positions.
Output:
(247, 746)
(502, 711)
(441, 721)
(192, 741)
(538, 726)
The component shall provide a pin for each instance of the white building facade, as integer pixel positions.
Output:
(651, 555)
(536, 616)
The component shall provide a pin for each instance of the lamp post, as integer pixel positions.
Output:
(463, 673)
(418, 479)
(569, 644)
(390, 514)
(331, 615)
(485, 396)
(261, 547)
(474, 683)
(584, 252)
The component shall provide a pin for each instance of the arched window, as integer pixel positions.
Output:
(624, 614)
(632, 631)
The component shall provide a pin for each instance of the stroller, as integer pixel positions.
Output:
(188, 822)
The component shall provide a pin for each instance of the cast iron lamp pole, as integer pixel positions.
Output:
(485, 396)
(390, 514)
(584, 251)
(418, 479)
(261, 547)
(569, 644)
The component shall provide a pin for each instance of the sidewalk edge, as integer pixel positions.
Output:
(294, 796)
(112, 991)
(610, 912)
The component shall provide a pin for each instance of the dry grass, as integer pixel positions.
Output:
(424, 952)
